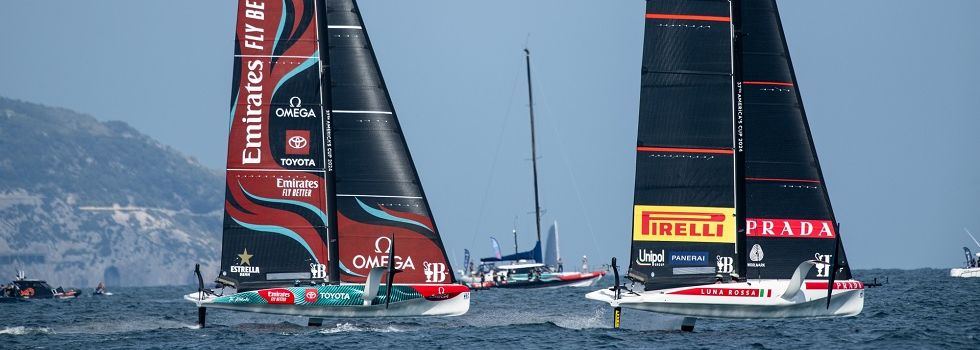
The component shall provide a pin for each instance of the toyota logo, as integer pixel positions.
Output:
(297, 142)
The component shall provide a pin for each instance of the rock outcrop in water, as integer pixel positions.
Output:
(83, 201)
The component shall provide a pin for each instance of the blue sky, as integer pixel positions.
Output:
(891, 93)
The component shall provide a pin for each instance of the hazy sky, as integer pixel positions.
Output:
(892, 94)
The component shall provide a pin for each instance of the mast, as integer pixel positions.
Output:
(333, 243)
(534, 155)
(514, 231)
(738, 133)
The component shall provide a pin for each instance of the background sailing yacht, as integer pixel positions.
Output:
(728, 184)
(524, 271)
(320, 186)
(530, 268)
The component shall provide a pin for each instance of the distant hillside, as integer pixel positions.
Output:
(83, 201)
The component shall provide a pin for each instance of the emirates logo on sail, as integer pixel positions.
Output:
(683, 224)
(789, 228)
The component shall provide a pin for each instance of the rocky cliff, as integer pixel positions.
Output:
(83, 201)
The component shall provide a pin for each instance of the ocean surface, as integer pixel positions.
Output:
(917, 309)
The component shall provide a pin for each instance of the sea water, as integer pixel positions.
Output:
(917, 309)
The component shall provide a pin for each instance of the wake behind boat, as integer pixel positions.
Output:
(320, 185)
(728, 184)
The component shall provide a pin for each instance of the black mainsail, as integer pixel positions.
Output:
(379, 193)
(684, 200)
(727, 176)
(789, 217)
(319, 176)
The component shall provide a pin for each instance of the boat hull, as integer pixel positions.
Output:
(341, 301)
(570, 280)
(549, 280)
(755, 300)
(965, 272)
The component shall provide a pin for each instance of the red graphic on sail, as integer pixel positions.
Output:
(277, 203)
(365, 246)
(271, 52)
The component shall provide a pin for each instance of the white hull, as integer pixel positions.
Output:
(589, 282)
(586, 282)
(753, 300)
(565, 279)
(965, 272)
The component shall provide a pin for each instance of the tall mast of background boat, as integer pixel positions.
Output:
(534, 155)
